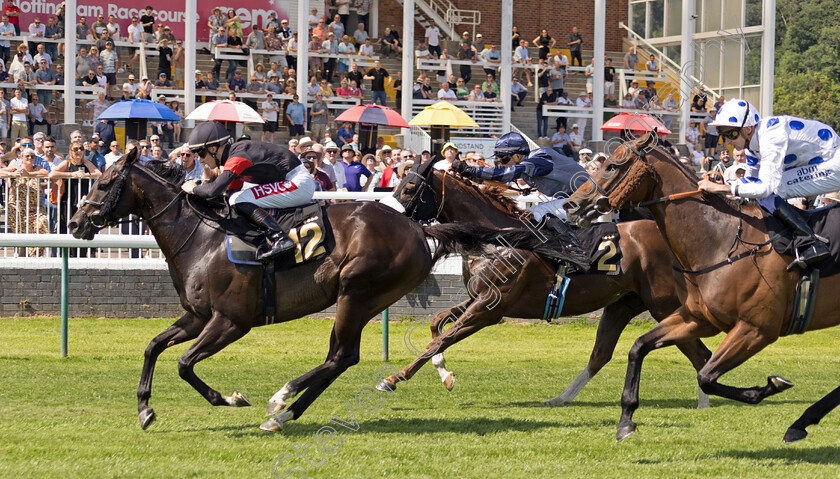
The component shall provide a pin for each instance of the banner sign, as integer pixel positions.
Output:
(479, 145)
(250, 12)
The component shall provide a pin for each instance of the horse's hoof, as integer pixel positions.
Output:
(795, 435)
(449, 382)
(386, 386)
(274, 407)
(275, 424)
(779, 383)
(236, 399)
(558, 401)
(625, 431)
(147, 417)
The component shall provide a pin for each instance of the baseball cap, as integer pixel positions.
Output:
(161, 97)
(575, 126)
(131, 77)
(478, 35)
(585, 151)
(347, 147)
(198, 71)
(465, 33)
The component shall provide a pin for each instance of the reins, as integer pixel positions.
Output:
(675, 196)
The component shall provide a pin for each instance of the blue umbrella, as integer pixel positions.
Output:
(150, 110)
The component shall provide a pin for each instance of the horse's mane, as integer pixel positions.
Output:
(172, 173)
(493, 194)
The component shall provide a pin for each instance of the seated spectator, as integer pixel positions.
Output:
(517, 90)
(259, 73)
(343, 88)
(210, 82)
(38, 114)
(461, 90)
(445, 93)
(274, 86)
(366, 49)
(576, 138)
(489, 94)
(476, 94)
(360, 35)
(628, 102)
(561, 142)
(692, 135)
(389, 44)
(355, 91)
(162, 81)
(326, 89)
(697, 155)
(236, 82)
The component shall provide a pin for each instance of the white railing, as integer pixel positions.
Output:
(586, 113)
(418, 140)
(488, 115)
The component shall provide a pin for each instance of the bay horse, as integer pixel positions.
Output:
(736, 282)
(646, 281)
(379, 255)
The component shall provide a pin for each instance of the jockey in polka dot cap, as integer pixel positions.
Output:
(793, 157)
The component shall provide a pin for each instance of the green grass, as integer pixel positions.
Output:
(77, 417)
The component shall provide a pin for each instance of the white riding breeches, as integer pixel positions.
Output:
(297, 190)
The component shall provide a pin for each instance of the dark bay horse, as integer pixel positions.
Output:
(379, 255)
(646, 282)
(750, 299)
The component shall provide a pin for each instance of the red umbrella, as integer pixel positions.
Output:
(635, 121)
(373, 114)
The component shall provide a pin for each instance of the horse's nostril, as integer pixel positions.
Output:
(72, 225)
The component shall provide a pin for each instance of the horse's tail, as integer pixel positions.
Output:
(469, 239)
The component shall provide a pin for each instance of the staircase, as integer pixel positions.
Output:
(445, 14)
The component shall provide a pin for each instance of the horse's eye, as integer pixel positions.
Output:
(612, 167)
(104, 186)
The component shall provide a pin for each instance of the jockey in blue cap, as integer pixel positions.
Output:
(794, 157)
(545, 169)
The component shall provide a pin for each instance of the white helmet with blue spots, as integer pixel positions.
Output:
(737, 113)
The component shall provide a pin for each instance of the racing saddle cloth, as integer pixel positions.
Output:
(824, 221)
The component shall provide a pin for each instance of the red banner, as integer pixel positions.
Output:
(170, 14)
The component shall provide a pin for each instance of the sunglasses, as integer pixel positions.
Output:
(26, 144)
(78, 148)
(144, 147)
(186, 153)
(311, 157)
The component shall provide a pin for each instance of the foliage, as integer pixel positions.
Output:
(77, 417)
(807, 74)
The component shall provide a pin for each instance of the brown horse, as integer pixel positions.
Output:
(750, 298)
(378, 256)
(516, 283)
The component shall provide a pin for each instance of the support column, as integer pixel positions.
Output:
(303, 50)
(768, 40)
(506, 74)
(70, 63)
(599, 52)
(407, 59)
(686, 65)
(189, 58)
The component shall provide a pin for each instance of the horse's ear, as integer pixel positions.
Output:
(131, 156)
(648, 140)
(423, 169)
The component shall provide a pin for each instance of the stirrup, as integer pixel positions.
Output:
(813, 253)
(280, 245)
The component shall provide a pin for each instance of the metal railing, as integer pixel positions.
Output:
(418, 140)
(488, 115)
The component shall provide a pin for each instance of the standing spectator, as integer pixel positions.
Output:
(105, 130)
(19, 108)
(432, 36)
(549, 97)
(269, 113)
(74, 166)
(82, 29)
(12, 11)
(45, 76)
(353, 171)
(543, 76)
(575, 42)
(38, 114)
(218, 40)
(522, 59)
(609, 77)
(36, 30)
(630, 61)
(651, 65)
(320, 117)
(557, 77)
(610, 102)
(215, 22)
(355, 75)
(6, 30)
(233, 41)
(256, 41)
(669, 106)
(360, 35)
(345, 47)
(135, 35)
(162, 81)
(113, 154)
(25, 183)
(98, 28)
(515, 38)
(466, 53)
(296, 116)
(377, 76)
(518, 92)
(329, 47)
(712, 138)
(563, 59)
(178, 60)
(492, 55)
(590, 76)
(477, 94)
(4, 116)
(52, 31)
(148, 23)
(109, 65)
(165, 58)
(692, 135)
(582, 101)
(236, 82)
(42, 55)
(545, 44)
(363, 12)
(26, 78)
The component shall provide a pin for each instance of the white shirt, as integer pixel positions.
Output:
(447, 94)
(111, 158)
(22, 103)
(433, 35)
(692, 135)
(269, 110)
(521, 54)
(135, 32)
(366, 50)
(563, 59)
(577, 138)
(114, 30)
(131, 87)
(697, 156)
(442, 165)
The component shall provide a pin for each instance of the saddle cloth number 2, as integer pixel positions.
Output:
(307, 242)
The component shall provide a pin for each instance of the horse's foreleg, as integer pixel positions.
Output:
(812, 415)
(186, 328)
(679, 326)
(615, 318)
(216, 335)
(741, 343)
(698, 354)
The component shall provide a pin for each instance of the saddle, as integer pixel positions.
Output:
(824, 221)
(601, 243)
(307, 226)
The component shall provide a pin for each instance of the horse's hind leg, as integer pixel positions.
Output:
(615, 318)
(812, 415)
(218, 334)
(186, 328)
(740, 344)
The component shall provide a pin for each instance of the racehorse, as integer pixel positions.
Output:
(378, 256)
(735, 280)
(646, 282)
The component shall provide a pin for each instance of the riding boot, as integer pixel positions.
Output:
(812, 248)
(277, 242)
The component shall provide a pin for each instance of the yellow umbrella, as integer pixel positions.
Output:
(443, 113)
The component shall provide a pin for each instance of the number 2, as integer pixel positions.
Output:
(313, 247)
(608, 245)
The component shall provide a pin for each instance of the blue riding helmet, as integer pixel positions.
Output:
(511, 143)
